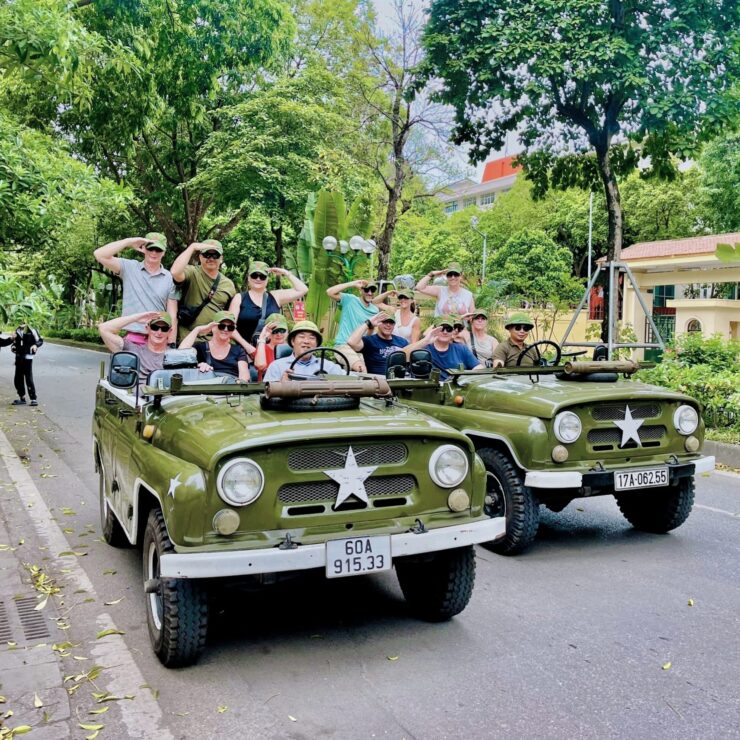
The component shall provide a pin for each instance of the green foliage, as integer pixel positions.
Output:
(708, 370)
(728, 252)
(568, 75)
(535, 269)
(21, 302)
(720, 165)
(88, 336)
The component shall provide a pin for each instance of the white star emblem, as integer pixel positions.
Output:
(174, 483)
(351, 479)
(629, 427)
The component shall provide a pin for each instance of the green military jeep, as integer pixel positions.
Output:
(553, 433)
(216, 479)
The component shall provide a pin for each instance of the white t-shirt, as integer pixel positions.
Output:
(453, 303)
(404, 331)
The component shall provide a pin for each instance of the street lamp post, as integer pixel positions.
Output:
(474, 224)
(356, 248)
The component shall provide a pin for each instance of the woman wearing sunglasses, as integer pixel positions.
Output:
(408, 325)
(481, 342)
(273, 334)
(252, 306)
(218, 353)
(452, 299)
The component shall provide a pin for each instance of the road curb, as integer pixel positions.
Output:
(79, 345)
(726, 454)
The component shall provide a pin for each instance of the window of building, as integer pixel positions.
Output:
(694, 325)
(468, 202)
(451, 207)
(663, 293)
(487, 199)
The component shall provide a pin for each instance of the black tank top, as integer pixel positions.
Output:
(250, 314)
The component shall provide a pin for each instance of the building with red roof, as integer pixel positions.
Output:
(498, 177)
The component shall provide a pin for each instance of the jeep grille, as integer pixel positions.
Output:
(611, 412)
(301, 493)
(321, 458)
(604, 439)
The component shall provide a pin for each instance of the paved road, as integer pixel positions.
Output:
(569, 640)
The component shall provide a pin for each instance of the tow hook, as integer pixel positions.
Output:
(418, 528)
(287, 543)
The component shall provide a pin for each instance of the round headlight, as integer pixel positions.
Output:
(240, 481)
(448, 466)
(567, 427)
(685, 419)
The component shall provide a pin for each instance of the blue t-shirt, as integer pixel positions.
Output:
(354, 313)
(452, 358)
(375, 350)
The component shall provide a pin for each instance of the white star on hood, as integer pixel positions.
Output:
(629, 427)
(174, 483)
(351, 479)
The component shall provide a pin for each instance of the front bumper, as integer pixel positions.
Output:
(605, 478)
(303, 557)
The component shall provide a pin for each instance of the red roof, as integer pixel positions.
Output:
(497, 168)
(676, 247)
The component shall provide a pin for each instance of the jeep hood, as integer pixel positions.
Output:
(204, 429)
(549, 396)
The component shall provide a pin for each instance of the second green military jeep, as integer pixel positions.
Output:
(551, 434)
(216, 479)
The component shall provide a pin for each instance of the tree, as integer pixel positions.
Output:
(150, 129)
(407, 149)
(536, 269)
(720, 181)
(577, 76)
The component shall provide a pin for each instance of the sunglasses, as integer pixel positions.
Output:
(211, 255)
(520, 327)
(226, 327)
(453, 274)
(388, 321)
(257, 276)
(159, 327)
(459, 327)
(479, 317)
(279, 331)
(403, 298)
(152, 248)
(371, 289)
(446, 328)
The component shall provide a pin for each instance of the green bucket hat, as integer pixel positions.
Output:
(278, 319)
(224, 316)
(159, 240)
(519, 318)
(300, 326)
(261, 268)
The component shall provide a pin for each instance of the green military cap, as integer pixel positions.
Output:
(300, 326)
(441, 320)
(163, 318)
(519, 318)
(157, 239)
(224, 316)
(261, 268)
(278, 319)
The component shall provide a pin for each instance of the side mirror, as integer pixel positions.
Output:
(124, 370)
(420, 363)
(396, 365)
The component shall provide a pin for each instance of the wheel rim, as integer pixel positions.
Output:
(155, 599)
(495, 503)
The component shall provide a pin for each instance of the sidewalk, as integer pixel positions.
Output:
(31, 672)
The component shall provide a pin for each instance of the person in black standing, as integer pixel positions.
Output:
(24, 343)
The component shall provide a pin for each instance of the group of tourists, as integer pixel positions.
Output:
(240, 333)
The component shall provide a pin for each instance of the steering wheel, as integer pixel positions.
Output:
(540, 361)
(323, 351)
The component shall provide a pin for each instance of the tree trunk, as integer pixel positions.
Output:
(277, 232)
(386, 235)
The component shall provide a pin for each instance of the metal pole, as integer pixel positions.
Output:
(485, 257)
(590, 234)
(612, 313)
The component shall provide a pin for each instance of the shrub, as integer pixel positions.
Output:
(692, 349)
(79, 335)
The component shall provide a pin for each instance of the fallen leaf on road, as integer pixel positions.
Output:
(222, 709)
(105, 633)
(691, 602)
(41, 604)
(292, 718)
(102, 710)
(109, 572)
(667, 666)
(37, 702)
(393, 657)
(117, 601)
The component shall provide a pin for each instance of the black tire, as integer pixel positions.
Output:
(324, 403)
(658, 512)
(111, 528)
(177, 612)
(439, 587)
(506, 495)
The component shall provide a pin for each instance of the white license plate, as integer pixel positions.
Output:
(357, 555)
(650, 478)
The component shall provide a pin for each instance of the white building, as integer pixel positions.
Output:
(498, 177)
